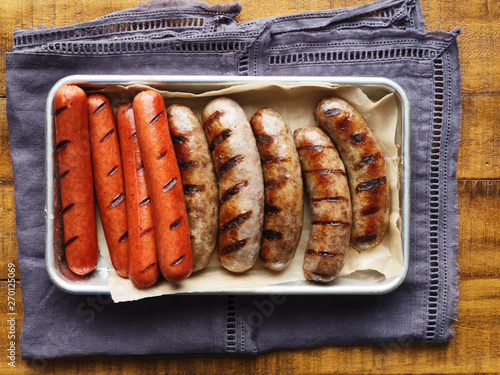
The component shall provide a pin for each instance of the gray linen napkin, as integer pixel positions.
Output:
(384, 38)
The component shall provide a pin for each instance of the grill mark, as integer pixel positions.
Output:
(67, 208)
(108, 134)
(314, 147)
(70, 241)
(145, 201)
(213, 117)
(331, 223)
(156, 118)
(187, 164)
(367, 160)
(238, 220)
(146, 231)
(371, 184)
(140, 167)
(367, 238)
(271, 210)
(62, 145)
(272, 235)
(112, 171)
(117, 200)
(176, 223)
(99, 108)
(179, 139)
(277, 183)
(327, 171)
(330, 199)
(134, 134)
(59, 110)
(162, 155)
(229, 193)
(358, 138)
(228, 165)
(169, 185)
(192, 189)
(263, 138)
(219, 138)
(345, 124)
(332, 112)
(128, 108)
(233, 247)
(271, 159)
(178, 261)
(370, 210)
(323, 254)
(148, 268)
(123, 237)
(63, 174)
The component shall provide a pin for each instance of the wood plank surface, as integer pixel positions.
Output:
(476, 348)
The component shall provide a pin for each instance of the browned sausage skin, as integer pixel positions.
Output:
(76, 179)
(365, 166)
(331, 218)
(198, 180)
(241, 183)
(284, 194)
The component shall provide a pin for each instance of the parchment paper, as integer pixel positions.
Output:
(296, 103)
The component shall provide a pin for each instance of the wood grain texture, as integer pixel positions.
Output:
(479, 152)
(475, 350)
(5, 162)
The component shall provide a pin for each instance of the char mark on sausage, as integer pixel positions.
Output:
(59, 110)
(238, 220)
(232, 191)
(154, 119)
(192, 189)
(230, 164)
(62, 145)
(233, 247)
(371, 184)
(67, 208)
(112, 171)
(219, 138)
(117, 200)
(99, 108)
(169, 185)
(123, 237)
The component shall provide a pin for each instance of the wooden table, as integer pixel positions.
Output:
(476, 348)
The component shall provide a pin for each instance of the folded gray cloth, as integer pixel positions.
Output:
(384, 38)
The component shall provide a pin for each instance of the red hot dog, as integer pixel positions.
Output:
(75, 177)
(143, 261)
(108, 180)
(164, 182)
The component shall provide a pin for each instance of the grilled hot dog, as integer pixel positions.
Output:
(143, 261)
(164, 182)
(198, 180)
(284, 196)
(365, 166)
(241, 183)
(76, 180)
(108, 180)
(326, 183)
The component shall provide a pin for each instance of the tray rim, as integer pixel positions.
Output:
(102, 287)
